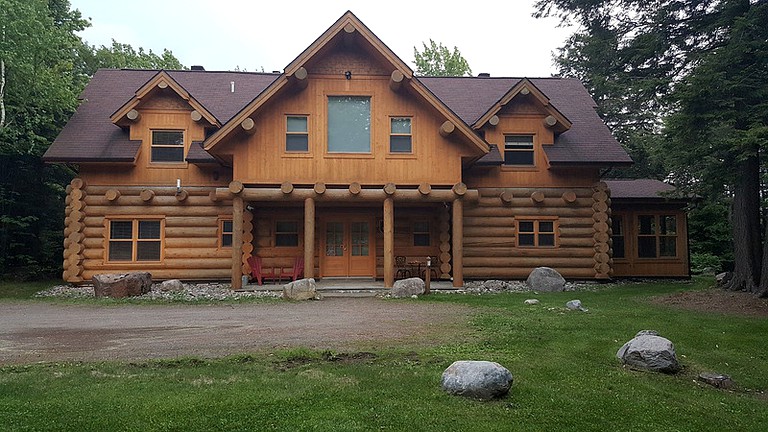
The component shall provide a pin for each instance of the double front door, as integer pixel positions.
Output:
(348, 248)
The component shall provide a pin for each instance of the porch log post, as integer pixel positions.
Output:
(389, 243)
(237, 242)
(309, 238)
(458, 243)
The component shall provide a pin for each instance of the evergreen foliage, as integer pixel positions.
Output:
(44, 65)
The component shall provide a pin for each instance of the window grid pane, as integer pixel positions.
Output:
(121, 230)
(167, 146)
(149, 230)
(148, 251)
(518, 150)
(286, 233)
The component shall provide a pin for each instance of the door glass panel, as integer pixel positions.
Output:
(334, 239)
(360, 233)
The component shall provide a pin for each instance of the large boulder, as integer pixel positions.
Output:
(302, 289)
(545, 279)
(407, 287)
(122, 285)
(482, 380)
(649, 351)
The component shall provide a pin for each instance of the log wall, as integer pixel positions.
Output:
(190, 241)
(581, 251)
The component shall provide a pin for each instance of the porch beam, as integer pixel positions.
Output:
(389, 243)
(237, 242)
(458, 243)
(364, 195)
(309, 238)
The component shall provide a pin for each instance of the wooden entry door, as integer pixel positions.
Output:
(348, 247)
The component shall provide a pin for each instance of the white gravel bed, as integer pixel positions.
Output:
(191, 292)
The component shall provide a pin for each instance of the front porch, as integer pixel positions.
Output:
(347, 231)
(348, 287)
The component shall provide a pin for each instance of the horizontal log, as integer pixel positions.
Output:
(198, 242)
(132, 200)
(576, 212)
(577, 242)
(576, 232)
(168, 263)
(505, 262)
(486, 231)
(182, 195)
(161, 274)
(522, 201)
(159, 190)
(522, 273)
(192, 221)
(93, 221)
(191, 253)
(507, 242)
(171, 232)
(95, 253)
(159, 210)
(365, 195)
(93, 232)
(549, 192)
(490, 221)
(510, 251)
(77, 183)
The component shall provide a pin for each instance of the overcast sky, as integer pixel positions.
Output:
(497, 37)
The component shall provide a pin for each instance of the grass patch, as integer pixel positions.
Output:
(566, 378)
(14, 290)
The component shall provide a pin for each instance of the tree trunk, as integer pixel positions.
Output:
(2, 93)
(762, 288)
(745, 214)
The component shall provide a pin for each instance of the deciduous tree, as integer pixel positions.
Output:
(437, 60)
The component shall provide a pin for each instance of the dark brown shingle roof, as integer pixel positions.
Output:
(587, 142)
(90, 135)
(638, 188)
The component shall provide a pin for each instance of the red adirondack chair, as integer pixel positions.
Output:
(293, 272)
(258, 272)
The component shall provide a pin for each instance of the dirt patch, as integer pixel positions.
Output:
(738, 303)
(33, 332)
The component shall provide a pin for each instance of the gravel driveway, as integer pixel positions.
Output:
(35, 332)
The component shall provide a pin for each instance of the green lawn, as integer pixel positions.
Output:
(566, 378)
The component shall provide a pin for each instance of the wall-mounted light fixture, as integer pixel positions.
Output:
(348, 75)
(178, 185)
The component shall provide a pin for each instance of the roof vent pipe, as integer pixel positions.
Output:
(231, 86)
(484, 75)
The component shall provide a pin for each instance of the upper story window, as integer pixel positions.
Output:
(656, 236)
(296, 134)
(400, 137)
(536, 233)
(349, 124)
(133, 240)
(518, 150)
(167, 146)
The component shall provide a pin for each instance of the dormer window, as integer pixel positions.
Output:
(167, 146)
(518, 150)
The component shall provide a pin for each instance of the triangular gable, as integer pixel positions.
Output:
(161, 80)
(346, 26)
(526, 87)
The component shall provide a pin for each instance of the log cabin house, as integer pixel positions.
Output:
(350, 161)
